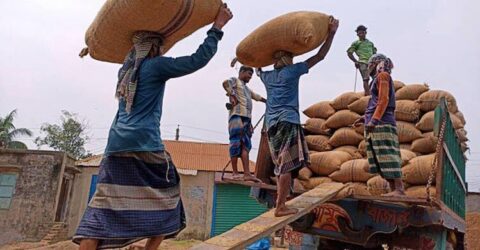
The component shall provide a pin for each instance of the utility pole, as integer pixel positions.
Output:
(177, 133)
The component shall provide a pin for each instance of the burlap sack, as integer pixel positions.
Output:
(342, 118)
(321, 110)
(407, 110)
(314, 182)
(425, 145)
(407, 132)
(362, 148)
(406, 146)
(464, 147)
(344, 137)
(360, 129)
(417, 171)
(318, 143)
(296, 32)
(406, 155)
(460, 116)
(398, 85)
(429, 100)
(109, 37)
(325, 163)
(342, 101)
(352, 150)
(354, 188)
(305, 173)
(378, 186)
(297, 186)
(427, 122)
(359, 106)
(316, 126)
(411, 92)
(462, 135)
(420, 191)
(352, 171)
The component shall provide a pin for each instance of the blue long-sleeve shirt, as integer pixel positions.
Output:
(140, 130)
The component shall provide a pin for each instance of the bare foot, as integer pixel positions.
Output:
(284, 211)
(251, 178)
(237, 177)
(394, 193)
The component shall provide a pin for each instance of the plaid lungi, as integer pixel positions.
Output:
(240, 131)
(383, 151)
(288, 148)
(137, 196)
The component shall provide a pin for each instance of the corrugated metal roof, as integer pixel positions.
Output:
(189, 155)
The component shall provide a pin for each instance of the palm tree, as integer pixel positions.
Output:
(8, 132)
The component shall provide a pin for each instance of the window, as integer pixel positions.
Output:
(7, 188)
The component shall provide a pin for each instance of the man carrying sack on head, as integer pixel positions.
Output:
(364, 49)
(285, 135)
(383, 148)
(138, 189)
(240, 121)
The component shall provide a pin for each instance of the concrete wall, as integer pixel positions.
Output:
(473, 203)
(197, 197)
(32, 209)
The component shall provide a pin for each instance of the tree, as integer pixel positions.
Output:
(70, 136)
(8, 132)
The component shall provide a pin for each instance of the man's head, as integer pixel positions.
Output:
(245, 73)
(379, 63)
(282, 58)
(361, 32)
(148, 40)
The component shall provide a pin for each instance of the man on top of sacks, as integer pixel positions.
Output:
(240, 120)
(383, 148)
(285, 136)
(364, 49)
(138, 190)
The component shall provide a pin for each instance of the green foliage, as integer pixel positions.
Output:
(8, 132)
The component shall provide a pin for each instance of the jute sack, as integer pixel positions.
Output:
(352, 171)
(352, 150)
(407, 132)
(354, 188)
(425, 145)
(406, 155)
(296, 32)
(359, 106)
(316, 126)
(314, 182)
(420, 191)
(377, 185)
(342, 118)
(318, 143)
(305, 173)
(464, 147)
(407, 110)
(429, 100)
(417, 171)
(411, 92)
(297, 186)
(406, 146)
(362, 148)
(321, 110)
(398, 85)
(342, 101)
(325, 163)
(360, 129)
(109, 37)
(460, 116)
(462, 134)
(344, 137)
(427, 122)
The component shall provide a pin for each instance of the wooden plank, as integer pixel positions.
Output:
(249, 183)
(455, 169)
(251, 231)
(400, 199)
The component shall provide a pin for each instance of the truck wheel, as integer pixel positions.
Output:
(303, 223)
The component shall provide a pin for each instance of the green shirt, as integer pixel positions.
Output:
(364, 50)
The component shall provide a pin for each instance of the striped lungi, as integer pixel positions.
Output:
(383, 151)
(288, 148)
(137, 197)
(240, 131)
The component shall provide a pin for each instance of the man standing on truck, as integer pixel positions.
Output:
(364, 49)
(240, 121)
(383, 148)
(285, 135)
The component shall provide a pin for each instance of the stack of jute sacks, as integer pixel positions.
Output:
(338, 151)
(109, 37)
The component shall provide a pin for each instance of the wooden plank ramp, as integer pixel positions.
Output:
(264, 225)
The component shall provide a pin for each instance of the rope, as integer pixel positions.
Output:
(439, 148)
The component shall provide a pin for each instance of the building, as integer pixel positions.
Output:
(473, 221)
(36, 199)
(212, 206)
